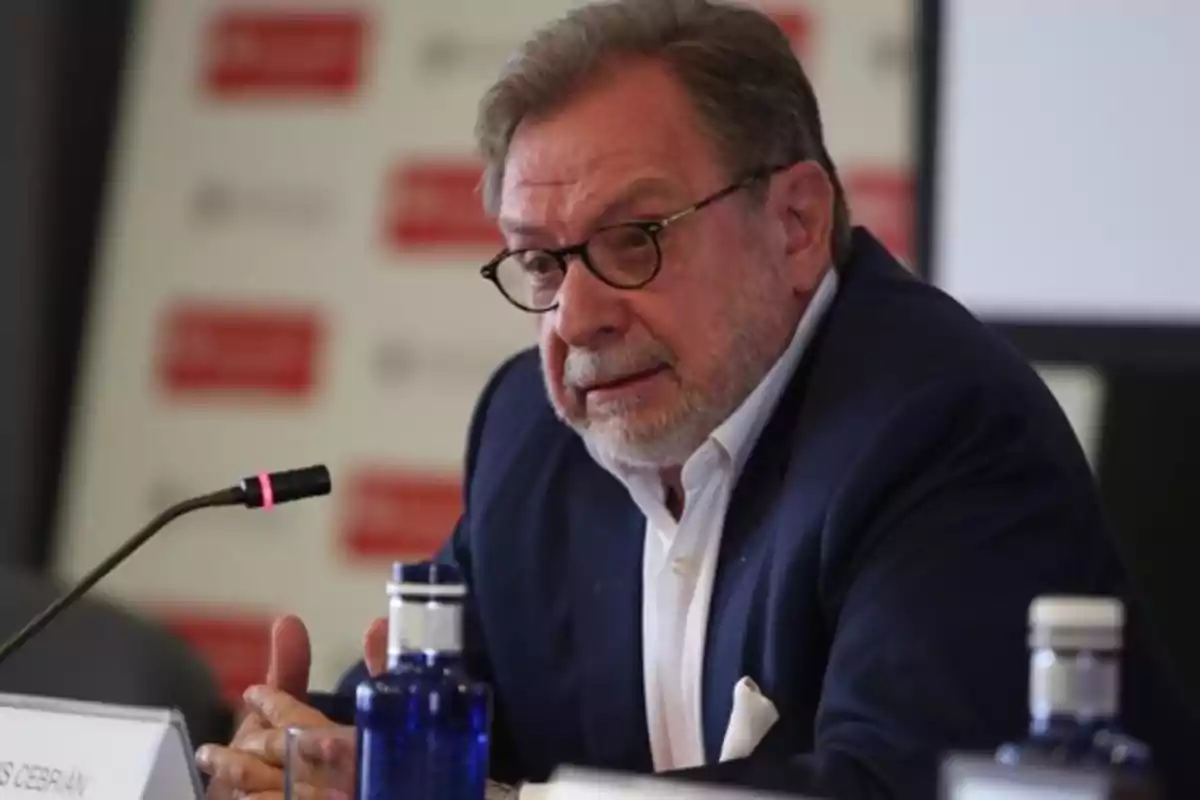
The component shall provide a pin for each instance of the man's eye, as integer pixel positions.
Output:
(631, 238)
(538, 264)
(623, 241)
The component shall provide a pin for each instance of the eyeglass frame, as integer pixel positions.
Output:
(652, 228)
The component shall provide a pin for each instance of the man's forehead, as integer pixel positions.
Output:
(589, 187)
(633, 125)
(555, 163)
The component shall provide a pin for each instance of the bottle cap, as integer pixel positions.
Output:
(433, 572)
(1077, 612)
(1076, 622)
(425, 605)
(426, 580)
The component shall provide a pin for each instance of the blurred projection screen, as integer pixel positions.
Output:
(1059, 170)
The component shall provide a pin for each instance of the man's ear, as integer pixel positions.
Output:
(803, 195)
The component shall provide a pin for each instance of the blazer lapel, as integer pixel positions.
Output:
(606, 533)
(739, 591)
(731, 644)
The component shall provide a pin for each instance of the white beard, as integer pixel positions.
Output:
(665, 442)
(758, 327)
(668, 440)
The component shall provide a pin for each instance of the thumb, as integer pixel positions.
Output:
(291, 656)
(375, 646)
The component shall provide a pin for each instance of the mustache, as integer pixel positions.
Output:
(583, 369)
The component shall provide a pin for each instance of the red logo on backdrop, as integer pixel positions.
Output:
(882, 200)
(797, 26)
(433, 204)
(235, 646)
(209, 348)
(269, 53)
(399, 514)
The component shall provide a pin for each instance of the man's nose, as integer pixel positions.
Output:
(590, 312)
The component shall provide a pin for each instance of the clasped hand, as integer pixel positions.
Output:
(251, 766)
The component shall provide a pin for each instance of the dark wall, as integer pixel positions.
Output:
(1149, 475)
(60, 75)
(24, 77)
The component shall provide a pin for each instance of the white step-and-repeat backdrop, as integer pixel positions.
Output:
(289, 276)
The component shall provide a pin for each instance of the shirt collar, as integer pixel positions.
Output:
(737, 435)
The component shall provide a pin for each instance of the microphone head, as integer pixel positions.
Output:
(273, 488)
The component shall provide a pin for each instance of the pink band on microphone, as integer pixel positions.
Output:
(268, 494)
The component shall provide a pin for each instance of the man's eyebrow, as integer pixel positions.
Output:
(515, 228)
(619, 209)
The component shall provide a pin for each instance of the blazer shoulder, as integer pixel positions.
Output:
(513, 414)
(892, 334)
(515, 392)
(520, 372)
(899, 359)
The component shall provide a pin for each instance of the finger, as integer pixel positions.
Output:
(268, 746)
(240, 772)
(302, 792)
(315, 751)
(306, 792)
(291, 656)
(375, 644)
(249, 721)
(279, 709)
(287, 666)
(332, 750)
(218, 790)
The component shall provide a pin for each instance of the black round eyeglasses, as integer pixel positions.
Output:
(627, 255)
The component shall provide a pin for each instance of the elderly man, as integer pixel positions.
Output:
(750, 450)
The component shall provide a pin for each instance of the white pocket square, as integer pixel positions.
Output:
(752, 717)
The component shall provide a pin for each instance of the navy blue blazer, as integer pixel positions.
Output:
(915, 489)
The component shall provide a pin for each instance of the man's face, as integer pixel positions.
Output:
(646, 375)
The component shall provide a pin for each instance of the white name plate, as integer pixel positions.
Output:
(572, 783)
(52, 748)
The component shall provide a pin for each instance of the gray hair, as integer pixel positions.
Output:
(736, 65)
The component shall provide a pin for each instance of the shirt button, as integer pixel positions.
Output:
(680, 566)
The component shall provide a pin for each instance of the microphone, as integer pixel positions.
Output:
(259, 491)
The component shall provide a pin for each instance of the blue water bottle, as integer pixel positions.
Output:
(1074, 692)
(423, 726)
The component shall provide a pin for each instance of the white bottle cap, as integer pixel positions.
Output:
(425, 607)
(1076, 622)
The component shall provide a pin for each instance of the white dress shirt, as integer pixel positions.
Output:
(680, 557)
